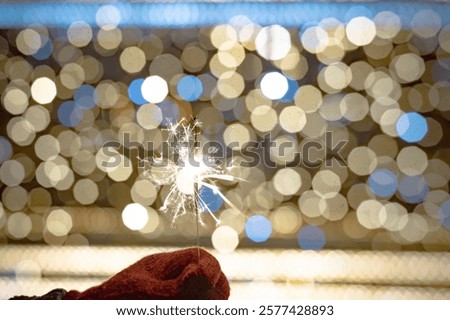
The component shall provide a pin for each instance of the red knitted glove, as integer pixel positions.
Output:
(162, 276)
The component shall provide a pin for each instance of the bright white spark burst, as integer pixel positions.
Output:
(186, 171)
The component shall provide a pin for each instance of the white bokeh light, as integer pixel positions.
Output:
(43, 90)
(273, 42)
(59, 222)
(225, 239)
(361, 31)
(108, 17)
(135, 216)
(154, 89)
(292, 119)
(287, 181)
(274, 85)
(315, 39)
(79, 34)
(19, 225)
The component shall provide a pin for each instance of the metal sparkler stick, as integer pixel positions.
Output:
(195, 203)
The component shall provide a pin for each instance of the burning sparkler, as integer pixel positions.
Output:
(186, 170)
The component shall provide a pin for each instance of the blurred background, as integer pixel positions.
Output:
(373, 223)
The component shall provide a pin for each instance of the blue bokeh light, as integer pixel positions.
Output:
(170, 112)
(258, 228)
(411, 127)
(5, 149)
(292, 89)
(134, 92)
(84, 97)
(444, 214)
(69, 114)
(311, 238)
(190, 88)
(383, 183)
(45, 51)
(211, 199)
(413, 189)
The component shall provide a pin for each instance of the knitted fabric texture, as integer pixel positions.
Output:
(173, 275)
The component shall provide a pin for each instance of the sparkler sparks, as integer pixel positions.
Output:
(186, 169)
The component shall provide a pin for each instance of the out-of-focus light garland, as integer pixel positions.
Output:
(367, 74)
